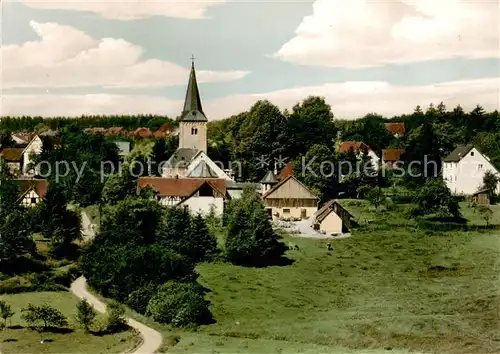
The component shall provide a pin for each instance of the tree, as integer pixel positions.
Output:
(179, 304)
(486, 213)
(490, 182)
(187, 235)
(116, 317)
(9, 191)
(61, 225)
(5, 311)
(40, 318)
(15, 237)
(85, 314)
(119, 186)
(250, 238)
(435, 198)
(376, 197)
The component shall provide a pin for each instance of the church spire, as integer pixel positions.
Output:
(193, 112)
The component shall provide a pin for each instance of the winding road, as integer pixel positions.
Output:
(151, 339)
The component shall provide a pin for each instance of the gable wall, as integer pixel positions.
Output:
(291, 189)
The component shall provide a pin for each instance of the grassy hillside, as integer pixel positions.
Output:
(395, 285)
(18, 339)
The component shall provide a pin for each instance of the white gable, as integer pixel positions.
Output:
(203, 156)
(466, 176)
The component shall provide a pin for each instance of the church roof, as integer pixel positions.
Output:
(193, 111)
(182, 157)
(202, 170)
(269, 178)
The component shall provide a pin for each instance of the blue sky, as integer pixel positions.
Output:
(362, 56)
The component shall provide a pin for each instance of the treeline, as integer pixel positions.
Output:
(127, 122)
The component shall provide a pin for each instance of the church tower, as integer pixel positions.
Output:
(193, 122)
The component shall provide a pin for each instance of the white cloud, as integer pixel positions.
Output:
(67, 57)
(348, 100)
(364, 33)
(130, 10)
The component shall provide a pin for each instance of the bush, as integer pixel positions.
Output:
(179, 304)
(116, 317)
(66, 275)
(139, 299)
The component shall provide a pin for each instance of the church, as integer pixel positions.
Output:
(189, 176)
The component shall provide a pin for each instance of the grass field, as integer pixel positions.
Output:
(391, 287)
(18, 339)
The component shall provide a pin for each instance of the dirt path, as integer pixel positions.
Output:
(151, 339)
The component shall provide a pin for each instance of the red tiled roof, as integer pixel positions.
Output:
(12, 154)
(39, 185)
(356, 146)
(180, 187)
(395, 128)
(114, 131)
(286, 171)
(142, 133)
(392, 155)
(166, 128)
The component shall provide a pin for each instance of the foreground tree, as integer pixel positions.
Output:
(85, 315)
(40, 318)
(5, 311)
(376, 197)
(250, 238)
(15, 237)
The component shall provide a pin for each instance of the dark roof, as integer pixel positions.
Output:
(193, 111)
(50, 139)
(457, 154)
(27, 184)
(241, 185)
(202, 170)
(12, 154)
(269, 178)
(181, 187)
(182, 157)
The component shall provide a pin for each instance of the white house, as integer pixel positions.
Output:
(200, 195)
(35, 147)
(13, 158)
(464, 170)
(360, 148)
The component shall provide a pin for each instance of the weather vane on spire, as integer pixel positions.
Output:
(192, 59)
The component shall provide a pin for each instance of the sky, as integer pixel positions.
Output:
(73, 57)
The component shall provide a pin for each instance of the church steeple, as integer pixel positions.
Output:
(193, 111)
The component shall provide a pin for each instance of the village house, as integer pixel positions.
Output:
(359, 149)
(391, 156)
(398, 130)
(464, 169)
(332, 219)
(22, 138)
(290, 199)
(34, 148)
(32, 191)
(200, 195)
(13, 158)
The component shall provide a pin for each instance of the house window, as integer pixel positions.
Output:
(480, 166)
(286, 211)
(472, 153)
(194, 131)
(33, 200)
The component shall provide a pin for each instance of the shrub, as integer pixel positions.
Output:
(179, 304)
(5, 311)
(66, 275)
(116, 317)
(139, 299)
